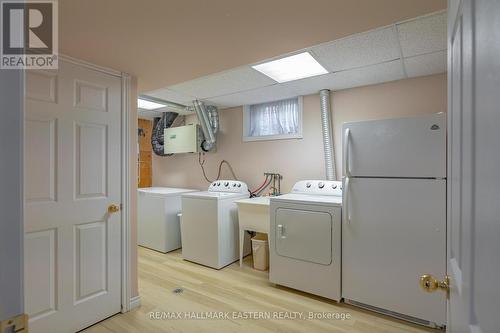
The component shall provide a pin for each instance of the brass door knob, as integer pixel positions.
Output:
(430, 284)
(113, 208)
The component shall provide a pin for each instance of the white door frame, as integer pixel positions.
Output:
(127, 302)
(11, 196)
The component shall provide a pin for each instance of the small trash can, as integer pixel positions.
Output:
(260, 252)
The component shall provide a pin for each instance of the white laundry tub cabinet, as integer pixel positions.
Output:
(158, 224)
(253, 215)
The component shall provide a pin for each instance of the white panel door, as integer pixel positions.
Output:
(459, 228)
(404, 148)
(394, 232)
(72, 172)
(473, 165)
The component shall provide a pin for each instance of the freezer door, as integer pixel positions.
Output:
(405, 148)
(395, 233)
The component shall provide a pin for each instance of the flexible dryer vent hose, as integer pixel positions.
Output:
(324, 96)
(157, 139)
(206, 126)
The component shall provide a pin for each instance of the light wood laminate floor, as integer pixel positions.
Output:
(232, 289)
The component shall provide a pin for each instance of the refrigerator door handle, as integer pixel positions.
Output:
(345, 148)
(345, 201)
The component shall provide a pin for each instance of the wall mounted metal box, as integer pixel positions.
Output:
(183, 139)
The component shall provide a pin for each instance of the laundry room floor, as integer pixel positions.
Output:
(170, 286)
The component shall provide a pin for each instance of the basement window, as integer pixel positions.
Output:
(273, 120)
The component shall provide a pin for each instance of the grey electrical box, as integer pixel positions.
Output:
(183, 139)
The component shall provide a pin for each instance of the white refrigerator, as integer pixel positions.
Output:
(394, 215)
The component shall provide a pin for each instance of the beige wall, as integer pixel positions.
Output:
(301, 159)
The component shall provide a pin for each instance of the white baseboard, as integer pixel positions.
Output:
(135, 302)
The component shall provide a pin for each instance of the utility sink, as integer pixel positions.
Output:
(253, 215)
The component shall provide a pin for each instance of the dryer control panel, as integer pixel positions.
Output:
(318, 187)
(232, 186)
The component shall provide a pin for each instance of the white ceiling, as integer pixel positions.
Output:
(412, 48)
(424, 35)
(238, 79)
(359, 50)
(426, 64)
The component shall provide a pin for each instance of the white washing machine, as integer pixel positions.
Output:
(209, 224)
(158, 225)
(305, 236)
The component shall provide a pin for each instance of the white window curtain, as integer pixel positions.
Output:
(275, 118)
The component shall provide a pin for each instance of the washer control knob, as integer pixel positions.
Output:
(239, 185)
(321, 184)
(334, 186)
(234, 184)
(308, 185)
(218, 184)
(226, 184)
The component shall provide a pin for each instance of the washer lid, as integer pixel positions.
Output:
(164, 191)
(308, 199)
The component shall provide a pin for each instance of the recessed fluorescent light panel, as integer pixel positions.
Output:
(291, 68)
(148, 105)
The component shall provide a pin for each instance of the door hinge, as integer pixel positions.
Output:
(18, 324)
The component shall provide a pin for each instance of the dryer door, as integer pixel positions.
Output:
(304, 235)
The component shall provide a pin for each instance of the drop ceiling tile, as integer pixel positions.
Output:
(171, 96)
(373, 74)
(423, 35)
(379, 73)
(427, 64)
(146, 114)
(224, 83)
(312, 85)
(218, 105)
(255, 96)
(359, 50)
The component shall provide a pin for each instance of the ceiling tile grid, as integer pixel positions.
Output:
(423, 35)
(362, 59)
(172, 96)
(379, 73)
(373, 74)
(427, 64)
(255, 96)
(149, 114)
(359, 50)
(312, 85)
(224, 83)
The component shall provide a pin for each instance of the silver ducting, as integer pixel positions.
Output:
(213, 118)
(206, 126)
(157, 137)
(324, 96)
